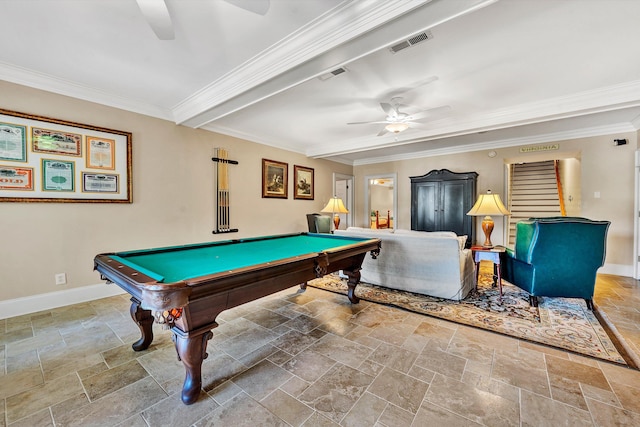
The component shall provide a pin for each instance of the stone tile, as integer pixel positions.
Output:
(261, 379)
(339, 326)
(393, 332)
(295, 386)
(318, 420)
(293, 342)
(30, 343)
(620, 374)
(567, 391)
(604, 396)
(103, 383)
(162, 364)
(23, 361)
(540, 411)
(477, 405)
(241, 411)
(248, 341)
(430, 414)
(217, 369)
(115, 407)
(335, 393)
(171, 412)
(365, 412)
(522, 370)
(400, 389)
(342, 350)
(309, 365)
(577, 371)
(606, 415)
(41, 419)
(287, 408)
(16, 335)
(628, 396)
(23, 404)
(266, 318)
(442, 362)
(471, 351)
(225, 392)
(394, 416)
(395, 357)
(261, 353)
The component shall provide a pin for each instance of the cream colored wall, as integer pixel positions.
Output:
(172, 198)
(571, 177)
(605, 168)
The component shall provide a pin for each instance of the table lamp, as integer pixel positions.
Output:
(336, 207)
(487, 205)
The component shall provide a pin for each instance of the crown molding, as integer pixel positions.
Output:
(49, 83)
(504, 143)
(341, 24)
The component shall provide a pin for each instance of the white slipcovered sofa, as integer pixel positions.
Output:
(429, 263)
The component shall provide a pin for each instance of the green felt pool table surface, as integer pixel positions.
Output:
(184, 262)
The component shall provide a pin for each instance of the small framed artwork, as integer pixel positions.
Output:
(303, 179)
(56, 142)
(274, 179)
(100, 153)
(16, 178)
(13, 142)
(58, 175)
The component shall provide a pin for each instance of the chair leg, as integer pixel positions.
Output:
(533, 301)
(589, 302)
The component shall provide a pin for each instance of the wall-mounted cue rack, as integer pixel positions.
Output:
(221, 165)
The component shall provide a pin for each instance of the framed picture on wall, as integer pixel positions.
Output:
(43, 159)
(274, 179)
(303, 182)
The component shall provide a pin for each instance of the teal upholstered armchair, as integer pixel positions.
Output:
(557, 257)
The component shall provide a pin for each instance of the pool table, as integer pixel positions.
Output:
(186, 287)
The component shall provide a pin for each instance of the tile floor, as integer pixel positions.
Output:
(311, 359)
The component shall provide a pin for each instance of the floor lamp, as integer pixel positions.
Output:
(335, 207)
(487, 205)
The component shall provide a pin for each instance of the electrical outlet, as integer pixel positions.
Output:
(61, 279)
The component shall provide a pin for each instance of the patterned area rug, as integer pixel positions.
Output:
(558, 322)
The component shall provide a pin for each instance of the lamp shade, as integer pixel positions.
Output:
(488, 204)
(335, 205)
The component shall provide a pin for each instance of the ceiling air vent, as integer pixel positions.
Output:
(333, 73)
(411, 41)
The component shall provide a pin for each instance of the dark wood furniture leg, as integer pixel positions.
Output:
(144, 319)
(354, 279)
(192, 350)
(589, 302)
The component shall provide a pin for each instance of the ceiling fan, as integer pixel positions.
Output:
(159, 19)
(398, 121)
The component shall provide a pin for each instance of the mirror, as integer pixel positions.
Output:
(381, 200)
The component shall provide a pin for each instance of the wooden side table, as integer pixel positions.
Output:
(489, 254)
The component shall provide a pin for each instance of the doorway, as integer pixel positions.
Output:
(343, 188)
(381, 196)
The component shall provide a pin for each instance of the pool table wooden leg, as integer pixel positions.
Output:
(192, 350)
(354, 279)
(144, 319)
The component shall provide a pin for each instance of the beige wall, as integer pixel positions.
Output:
(173, 194)
(605, 168)
(172, 198)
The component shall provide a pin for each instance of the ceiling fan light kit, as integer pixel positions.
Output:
(396, 127)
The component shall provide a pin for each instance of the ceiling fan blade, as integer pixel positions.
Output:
(261, 7)
(388, 108)
(157, 15)
(430, 112)
(369, 123)
(383, 132)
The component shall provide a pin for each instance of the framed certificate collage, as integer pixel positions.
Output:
(50, 160)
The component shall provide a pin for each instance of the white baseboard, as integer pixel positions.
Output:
(35, 303)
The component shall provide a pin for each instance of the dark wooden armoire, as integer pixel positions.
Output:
(440, 201)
